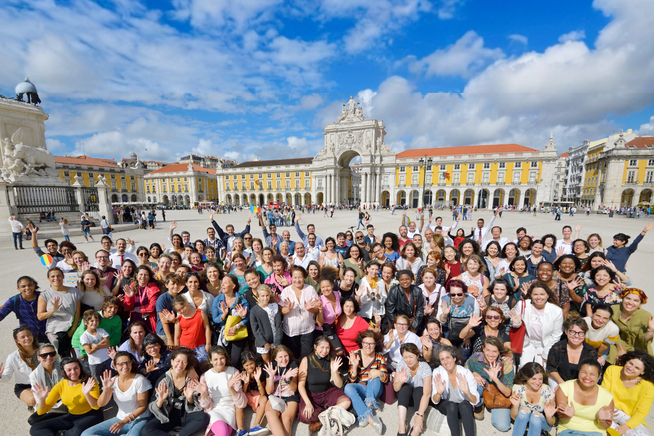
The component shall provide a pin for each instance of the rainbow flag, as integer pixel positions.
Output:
(46, 260)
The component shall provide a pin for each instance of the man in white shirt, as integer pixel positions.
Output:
(301, 257)
(438, 222)
(479, 234)
(121, 254)
(497, 237)
(566, 242)
(413, 230)
(17, 231)
(311, 248)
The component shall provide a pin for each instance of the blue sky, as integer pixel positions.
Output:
(261, 78)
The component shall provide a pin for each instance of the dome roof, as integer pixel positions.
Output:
(25, 87)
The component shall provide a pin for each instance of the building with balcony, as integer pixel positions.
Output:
(125, 182)
(483, 176)
(620, 172)
(181, 184)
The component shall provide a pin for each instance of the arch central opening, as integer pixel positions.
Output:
(349, 174)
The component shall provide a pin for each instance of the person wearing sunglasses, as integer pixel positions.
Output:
(46, 373)
(564, 356)
(455, 310)
(489, 324)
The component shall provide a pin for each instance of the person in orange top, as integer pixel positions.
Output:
(192, 329)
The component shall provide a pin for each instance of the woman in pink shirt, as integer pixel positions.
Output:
(331, 304)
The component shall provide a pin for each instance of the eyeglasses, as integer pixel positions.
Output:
(492, 317)
(359, 237)
(403, 324)
(576, 333)
(128, 363)
(47, 355)
(368, 344)
(102, 257)
(247, 239)
(456, 295)
(152, 347)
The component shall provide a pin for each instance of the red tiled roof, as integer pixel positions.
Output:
(467, 150)
(641, 142)
(182, 168)
(566, 154)
(86, 160)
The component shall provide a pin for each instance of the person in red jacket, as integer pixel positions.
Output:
(141, 298)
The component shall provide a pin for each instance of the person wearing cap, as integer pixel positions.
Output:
(619, 253)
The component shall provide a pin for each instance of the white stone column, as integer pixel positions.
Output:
(364, 183)
(337, 188)
(329, 189)
(371, 181)
(378, 186)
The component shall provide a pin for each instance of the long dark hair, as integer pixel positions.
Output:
(83, 376)
(22, 351)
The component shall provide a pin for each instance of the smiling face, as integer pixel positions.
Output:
(409, 252)
(493, 318)
(410, 359)
(539, 297)
(602, 278)
(143, 277)
(428, 279)
(576, 335)
(326, 287)
(567, 266)
(137, 334)
(491, 353)
(634, 368)
(378, 252)
(520, 266)
(631, 302)
(164, 264)
(450, 254)
(192, 283)
(72, 371)
(47, 356)
(348, 308)
(109, 311)
(492, 250)
(153, 349)
(579, 247)
(593, 241)
(179, 363)
(588, 376)
(89, 280)
(467, 249)
(447, 361)
(55, 277)
(510, 251)
(405, 281)
(322, 349)
(544, 272)
(537, 249)
(434, 330)
(282, 358)
(535, 382)
(500, 291)
(26, 288)
(457, 295)
(123, 364)
(298, 279)
(121, 245)
(25, 338)
(127, 269)
(600, 318)
(373, 270)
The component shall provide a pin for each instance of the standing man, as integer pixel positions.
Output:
(121, 254)
(312, 231)
(211, 240)
(228, 238)
(361, 217)
(370, 237)
(17, 231)
(619, 253)
(497, 237)
(480, 233)
(104, 269)
(412, 225)
(438, 222)
(403, 236)
(50, 245)
(286, 237)
(301, 257)
(363, 247)
(86, 228)
(271, 238)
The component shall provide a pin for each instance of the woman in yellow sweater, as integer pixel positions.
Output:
(77, 391)
(633, 391)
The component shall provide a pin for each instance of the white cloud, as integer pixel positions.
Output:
(311, 101)
(112, 144)
(218, 14)
(520, 39)
(297, 143)
(447, 9)
(204, 147)
(54, 145)
(575, 35)
(463, 58)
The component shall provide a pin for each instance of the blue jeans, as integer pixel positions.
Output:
(131, 429)
(500, 418)
(18, 238)
(579, 433)
(362, 394)
(201, 353)
(536, 422)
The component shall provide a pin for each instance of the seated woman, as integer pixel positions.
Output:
(564, 356)
(141, 298)
(410, 258)
(636, 324)
(543, 323)
(584, 408)
(220, 393)
(302, 310)
(398, 336)
(517, 275)
(317, 393)
(605, 291)
(412, 383)
(490, 367)
(502, 298)
(406, 298)
(332, 310)
(454, 391)
(366, 378)
(156, 358)
(174, 401)
(134, 345)
(372, 294)
(432, 292)
(77, 391)
(47, 374)
(454, 311)
(631, 381)
(489, 324)
(602, 332)
(432, 342)
(20, 364)
(231, 302)
(532, 403)
(130, 392)
(349, 325)
(281, 387)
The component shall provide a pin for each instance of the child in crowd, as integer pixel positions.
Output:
(266, 320)
(109, 322)
(165, 314)
(254, 388)
(192, 329)
(95, 342)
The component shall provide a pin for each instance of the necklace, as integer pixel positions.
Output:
(581, 391)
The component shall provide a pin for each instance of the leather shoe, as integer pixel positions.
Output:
(315, 427)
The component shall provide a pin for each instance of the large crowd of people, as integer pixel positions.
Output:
(543, 332)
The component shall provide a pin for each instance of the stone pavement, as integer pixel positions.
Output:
(14, 413)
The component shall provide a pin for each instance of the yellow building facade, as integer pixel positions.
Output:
(181, 184)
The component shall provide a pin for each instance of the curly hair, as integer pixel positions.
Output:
(648, 362)
(370, 334)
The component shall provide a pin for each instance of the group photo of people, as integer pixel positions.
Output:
(243, 330)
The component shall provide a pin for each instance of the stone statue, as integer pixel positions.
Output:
(22, 160)
(351, 111)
